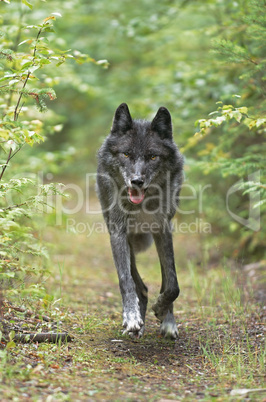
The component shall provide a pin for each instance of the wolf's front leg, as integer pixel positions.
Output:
(132, 321)
(163, 308)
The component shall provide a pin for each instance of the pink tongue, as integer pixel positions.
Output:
(136, 196)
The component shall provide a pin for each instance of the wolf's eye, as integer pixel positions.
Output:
(153, 157)
(126, 154)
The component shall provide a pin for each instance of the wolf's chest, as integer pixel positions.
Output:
(145, 223)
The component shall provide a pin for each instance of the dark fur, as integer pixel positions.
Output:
(140, 159)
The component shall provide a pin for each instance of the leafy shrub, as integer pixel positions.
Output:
(28, 62)
(230, 143)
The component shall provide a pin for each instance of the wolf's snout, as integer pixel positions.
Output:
(136, 191)
(137, 181)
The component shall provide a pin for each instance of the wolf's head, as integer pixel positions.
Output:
(143, 152)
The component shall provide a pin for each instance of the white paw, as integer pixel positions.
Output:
(135, 335)
(133, 324)
(168, 327)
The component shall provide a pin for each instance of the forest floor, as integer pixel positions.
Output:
(218, 356)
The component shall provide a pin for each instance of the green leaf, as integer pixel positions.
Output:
(12, 335)
(260, 122)
(27, 4)
(44, 60)
(25, 41)
(34, 68)
(238, 116)
(243, 110)
(12, 82)
(33, 26)
(10, 345)
(7, 275)
(103, 63)
(48, 28)
(228, 107)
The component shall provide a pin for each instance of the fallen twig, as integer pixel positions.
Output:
(52, 337)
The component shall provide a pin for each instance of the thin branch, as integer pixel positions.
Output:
(15, 206)
(18, 108)
(26, 203)
(12, 156)
(16, 112)
(247, 58)
(5, 166)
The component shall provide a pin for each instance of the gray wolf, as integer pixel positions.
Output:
(139, 178)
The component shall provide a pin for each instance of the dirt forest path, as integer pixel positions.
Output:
(218, 355)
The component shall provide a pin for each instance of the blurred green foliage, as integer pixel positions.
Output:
(23, 194)
(185, 55)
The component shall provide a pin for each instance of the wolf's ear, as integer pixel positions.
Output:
(162, 123)
(122, 120)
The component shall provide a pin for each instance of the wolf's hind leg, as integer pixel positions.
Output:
(168, 324)
(163, 308)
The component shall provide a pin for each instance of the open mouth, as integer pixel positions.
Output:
(136, 195)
